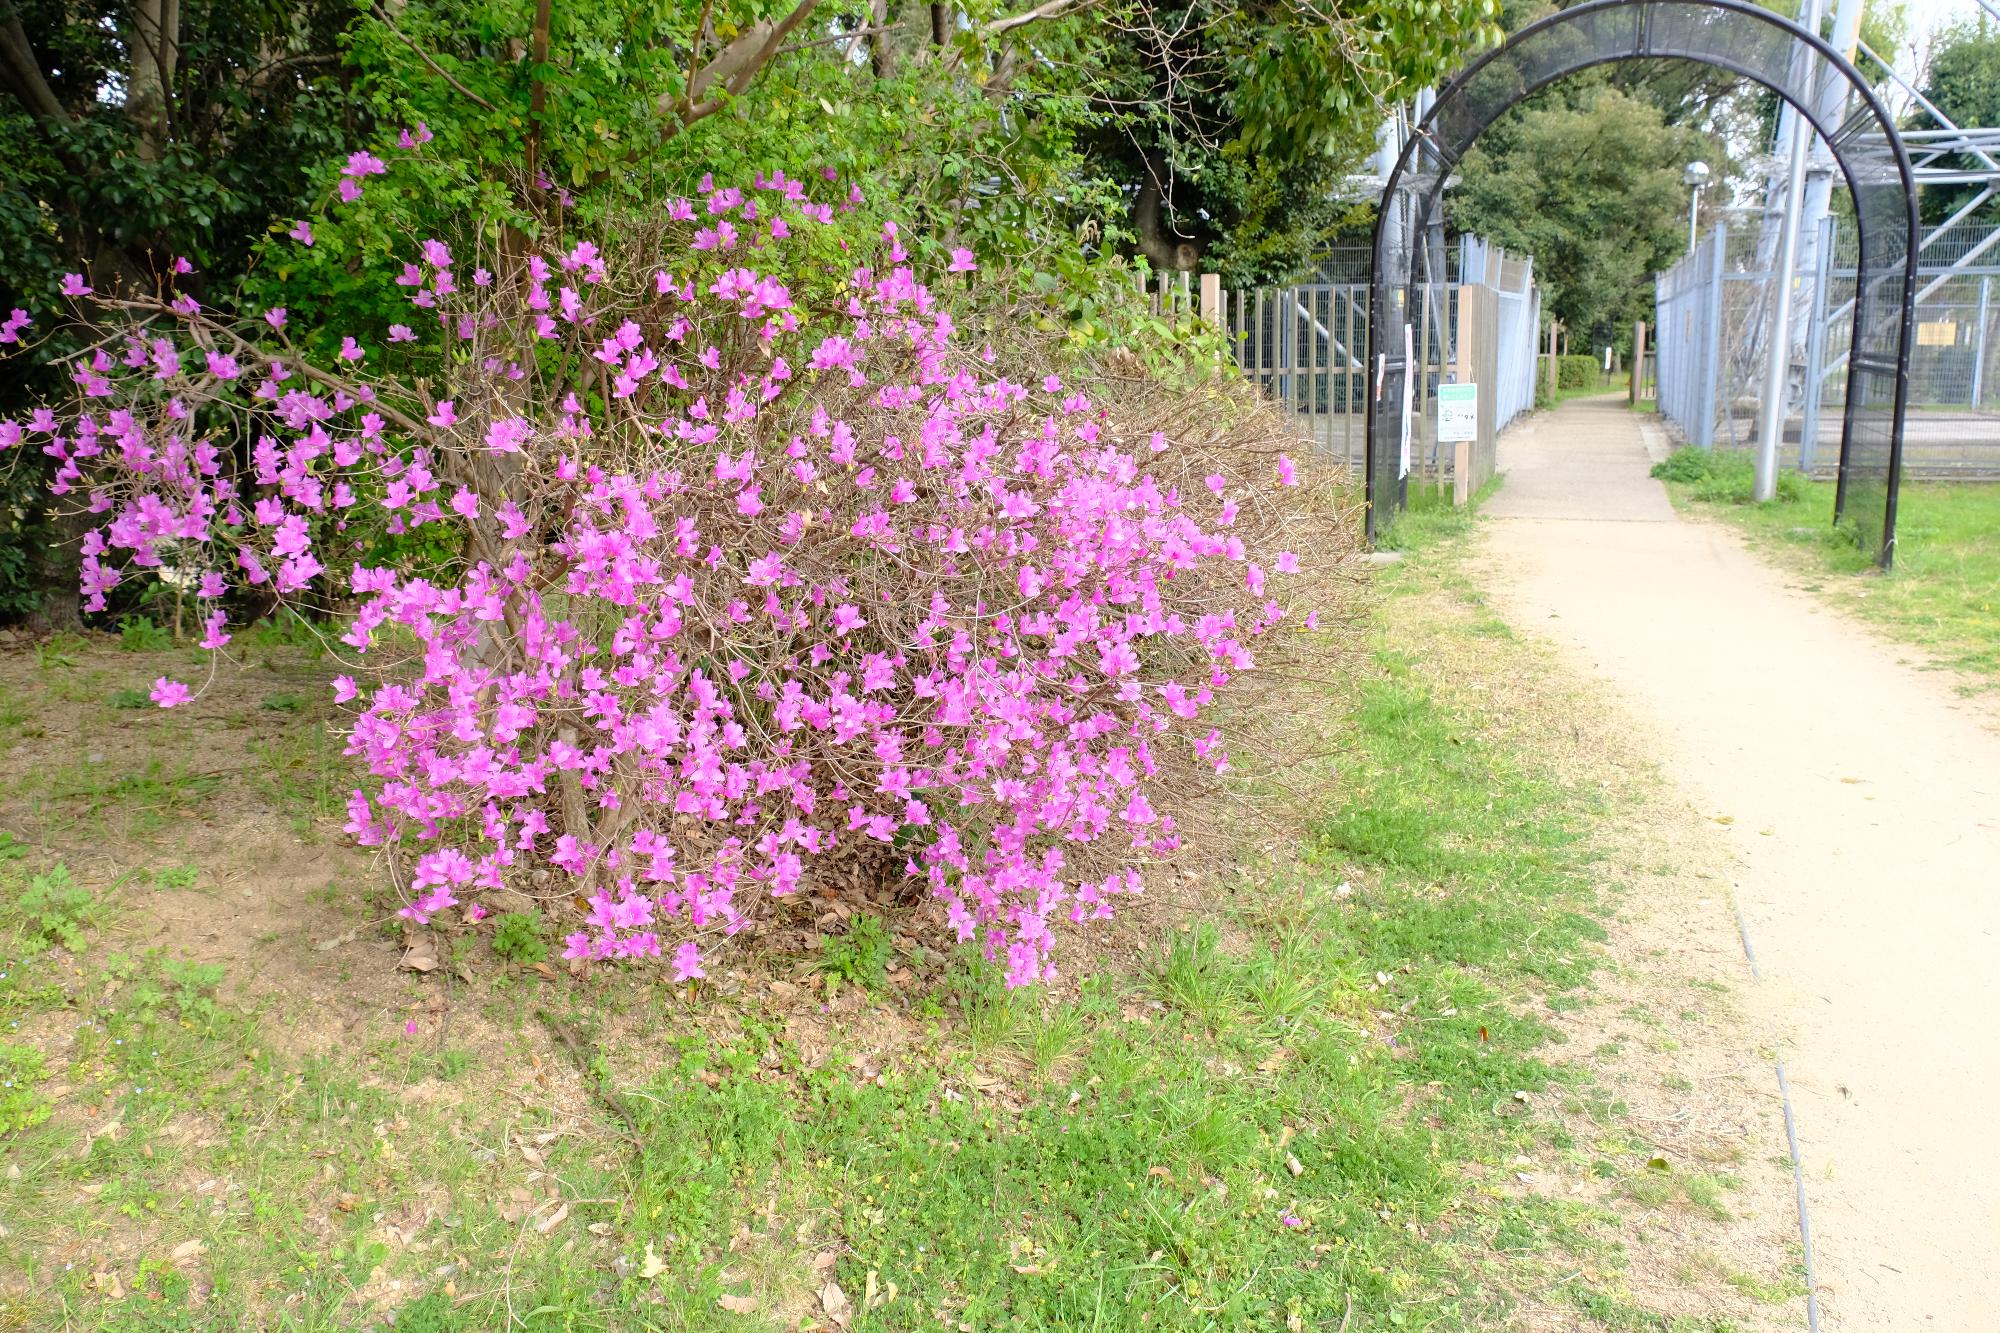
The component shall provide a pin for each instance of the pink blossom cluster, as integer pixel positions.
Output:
(767, 571)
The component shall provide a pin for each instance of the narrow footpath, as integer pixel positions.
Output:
(1862, 798)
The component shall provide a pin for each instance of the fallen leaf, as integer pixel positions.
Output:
(738, 1304)
(824, 1260)
(1293, 1165)
(187, 1249)
(834, 1301)
(653, 1266)
(553, 1220)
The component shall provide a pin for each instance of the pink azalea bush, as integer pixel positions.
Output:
(769, 575)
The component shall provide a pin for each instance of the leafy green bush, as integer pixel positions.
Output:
(517, 937)
(1579, 372)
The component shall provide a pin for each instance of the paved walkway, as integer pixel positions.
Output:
(1864, 802)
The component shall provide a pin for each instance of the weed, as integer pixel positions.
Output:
(177, 877)
(22, 1068)
(57, 908)
(517, 937)
(861, 956)
(131, 699)
(59, 652)
(285, 629)
(140, 635)
(284, 703)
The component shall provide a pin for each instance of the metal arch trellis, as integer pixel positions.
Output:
(1730, 34)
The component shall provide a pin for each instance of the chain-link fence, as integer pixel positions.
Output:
(1713, 318)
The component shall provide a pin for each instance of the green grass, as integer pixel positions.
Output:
(1943, 596)
(1289, 1114)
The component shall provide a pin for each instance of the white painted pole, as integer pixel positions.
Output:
(1778, 346)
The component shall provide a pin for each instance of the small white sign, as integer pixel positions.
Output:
(1458, 413)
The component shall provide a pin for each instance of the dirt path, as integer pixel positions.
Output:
(1863, 802)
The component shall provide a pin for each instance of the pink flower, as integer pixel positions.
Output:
(275, 317)
(73, 285)
(445, 416)
(1292, 1221)
(223, 366)
(181, 265)
(350, 350)
(343, 689)
(401, 333)
(961, 261)
(170, 693)
(301, 232)
(410, 1028)
(214, 636)
(687, 962)
(10, 331)
(1288, 562)
(349, 191)
(1287, 472)
(363, 164)
(475, 913)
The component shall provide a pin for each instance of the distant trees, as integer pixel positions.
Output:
(1593, 191)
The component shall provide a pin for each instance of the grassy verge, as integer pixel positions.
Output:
(1943, 595)
(1307, 1105)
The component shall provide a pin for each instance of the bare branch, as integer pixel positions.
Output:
(735, 67)
(852, 36)
(437, 69)
(1048, 10)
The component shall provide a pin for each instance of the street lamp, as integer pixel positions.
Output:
(1695, 177)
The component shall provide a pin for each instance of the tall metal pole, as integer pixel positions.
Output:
(1778, 345)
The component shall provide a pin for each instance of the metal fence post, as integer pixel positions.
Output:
(1704, 432)
(1815, 382)
(1979, 344)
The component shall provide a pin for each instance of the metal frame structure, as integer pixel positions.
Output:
(1733, 35)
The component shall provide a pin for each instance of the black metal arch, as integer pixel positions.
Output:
(1730, 34)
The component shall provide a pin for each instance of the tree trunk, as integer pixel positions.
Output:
(1166, 253)
(149, 89)
(879, 58)
(57, 567)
